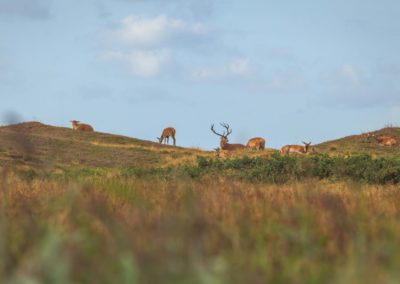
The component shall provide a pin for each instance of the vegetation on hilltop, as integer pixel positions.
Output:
(98, 208)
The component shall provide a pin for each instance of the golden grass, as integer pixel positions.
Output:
(105, 230)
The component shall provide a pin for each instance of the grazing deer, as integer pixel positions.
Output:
(224, 145)
(383, 140)
(167, 132)
(81, 126)
(256, 143)
(295, 148)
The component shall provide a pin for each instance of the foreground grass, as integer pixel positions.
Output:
(208, 230)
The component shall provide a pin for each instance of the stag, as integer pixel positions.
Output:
(296, 148)
(224, 145)
(167, 132)
(76, 125)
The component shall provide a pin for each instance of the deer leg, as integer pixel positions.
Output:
(173, 138)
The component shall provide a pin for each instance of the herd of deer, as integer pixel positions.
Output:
(256, 143)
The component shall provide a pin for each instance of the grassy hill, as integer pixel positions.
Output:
(358, 144)
(37, 144)
(67, 216)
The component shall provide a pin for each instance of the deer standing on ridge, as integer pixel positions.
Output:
(76, 125)
(256, 143)
(224, 145)
(295, 148)
(167, 132)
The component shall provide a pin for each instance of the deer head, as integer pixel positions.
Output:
(306, 146)
(224, 136)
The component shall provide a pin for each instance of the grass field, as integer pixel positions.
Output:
(98, 208)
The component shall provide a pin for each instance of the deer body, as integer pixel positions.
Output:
(256, 143)
(224, 145)
(383, 140)
(298, 149)
(167, 132)
(386, 140)
(81, 126)
(230, 147)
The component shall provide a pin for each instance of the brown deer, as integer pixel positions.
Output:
(383, 140)
(167, 132)
(224, 145)
(76, 125)
(295, 148)
(387, 141)
(256, 143)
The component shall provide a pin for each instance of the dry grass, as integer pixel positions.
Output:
(88, 223)
(107, 230)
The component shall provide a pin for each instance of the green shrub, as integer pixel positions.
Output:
(287, 168)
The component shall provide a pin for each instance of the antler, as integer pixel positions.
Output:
(226, 126)
(212, 129)
(306, 143)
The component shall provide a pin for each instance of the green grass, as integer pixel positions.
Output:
(98, 208)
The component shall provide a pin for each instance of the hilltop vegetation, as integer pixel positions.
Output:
(359, 144)
(37, 150)
(36, 144)
(78, 207)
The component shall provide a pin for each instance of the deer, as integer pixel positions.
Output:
(387, 141)
(224, 145)
(383, 140)
(76, 125)
(298, 149)
(256, 143)
(167, 132)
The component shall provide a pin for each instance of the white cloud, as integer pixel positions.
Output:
(147, 63)
(140, 31)
(141, 63)
(238, 67)
(147, 44)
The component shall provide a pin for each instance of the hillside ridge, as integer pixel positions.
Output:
(36, 144)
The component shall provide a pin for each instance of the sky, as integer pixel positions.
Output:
(288, 71)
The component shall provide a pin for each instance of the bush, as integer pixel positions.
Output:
(282, 169)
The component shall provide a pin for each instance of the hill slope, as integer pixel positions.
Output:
(358, 144)
(37, 144)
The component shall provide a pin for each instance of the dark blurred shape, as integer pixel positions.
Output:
(11, 117)
(22, 142)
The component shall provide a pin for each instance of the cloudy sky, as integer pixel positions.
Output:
(285, 70)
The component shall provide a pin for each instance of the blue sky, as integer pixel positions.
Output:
(284, 70)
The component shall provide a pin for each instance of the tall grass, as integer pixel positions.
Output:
(134, 229)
